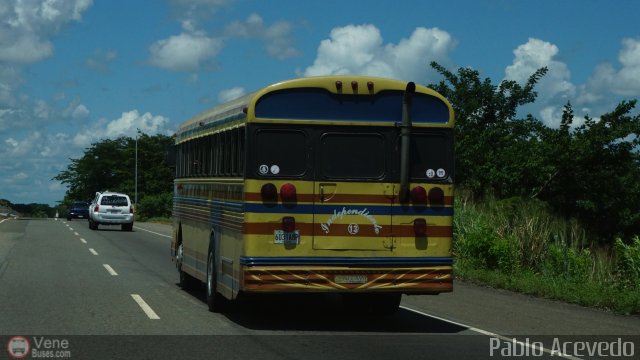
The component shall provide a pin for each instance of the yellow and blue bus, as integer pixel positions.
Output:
(332, 184)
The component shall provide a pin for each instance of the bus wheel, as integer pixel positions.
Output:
(186, 281)
(215, 302)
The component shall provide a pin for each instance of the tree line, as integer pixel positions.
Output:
(589, 172)
(111, 165)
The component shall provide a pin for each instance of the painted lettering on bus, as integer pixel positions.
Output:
(342, 213)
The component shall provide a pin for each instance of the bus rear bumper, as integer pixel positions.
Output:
(339, 279)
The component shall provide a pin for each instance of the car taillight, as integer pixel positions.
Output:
(131, 209)
(420, 227)
(97, 208)
(288, 224)
(419, 195)
(288, 192)
(269, 192)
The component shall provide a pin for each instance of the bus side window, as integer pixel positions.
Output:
(240, 157)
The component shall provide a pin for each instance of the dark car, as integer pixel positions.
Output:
(79, 210)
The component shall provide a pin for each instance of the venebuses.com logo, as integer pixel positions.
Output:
(18, 347)
(21, 347)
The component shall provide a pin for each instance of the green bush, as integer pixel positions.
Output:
(570, 263)
(627, 263)
(152, 206)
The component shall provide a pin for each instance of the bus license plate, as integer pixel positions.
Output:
(281, 237)
(350, 279)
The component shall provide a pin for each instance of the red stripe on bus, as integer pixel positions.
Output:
(342, 199)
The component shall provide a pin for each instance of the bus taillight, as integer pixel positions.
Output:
(288, 224)
(288, 192)
(269, 192)
(420, 227)
(436, 197)
(419, 195)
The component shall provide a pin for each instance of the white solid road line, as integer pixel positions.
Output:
(153, 232)
(93, 251)
(145, 307)
(110, 269)
(489, 333)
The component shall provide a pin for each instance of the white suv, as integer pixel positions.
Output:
(111, 208)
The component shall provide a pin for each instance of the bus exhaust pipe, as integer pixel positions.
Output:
(405, 135)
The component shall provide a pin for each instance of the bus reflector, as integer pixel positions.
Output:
(288, 224)
(420, 227)
(269, 192)
(288, 192)
(419, 195)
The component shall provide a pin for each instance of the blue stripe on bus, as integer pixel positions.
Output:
(316, 209)
(331, 261)
(337, 208)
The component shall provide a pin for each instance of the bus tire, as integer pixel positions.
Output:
(215, 301)
(187, 282)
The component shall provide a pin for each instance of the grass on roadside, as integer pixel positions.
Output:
(520, 245)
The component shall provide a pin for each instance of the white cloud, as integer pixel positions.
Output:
(554, 89)
(625, 81)
(277, 37)
(76, 110)
(184, 52)
(126, 125)
(28, 25)
(533, 55)
(360, 49)
(230, 94)
(191, 12)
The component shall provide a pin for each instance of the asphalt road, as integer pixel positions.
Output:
(113, 294)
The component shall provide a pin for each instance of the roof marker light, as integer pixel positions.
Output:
(370, 85)
(339, 85)
(354, 85)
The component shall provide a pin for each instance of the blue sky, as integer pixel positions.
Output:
(74, 72)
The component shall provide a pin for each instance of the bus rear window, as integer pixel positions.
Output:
(431, 157)
(320, 104)
(352, 156)
(281, 152)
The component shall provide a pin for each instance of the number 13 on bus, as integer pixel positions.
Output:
(332, 184)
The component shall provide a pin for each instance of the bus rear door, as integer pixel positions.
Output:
(352, 205)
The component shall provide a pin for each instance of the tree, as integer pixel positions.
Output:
(598, 172)
(493, 149)
(110, 165)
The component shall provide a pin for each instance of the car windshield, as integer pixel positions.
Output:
(79, 204)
